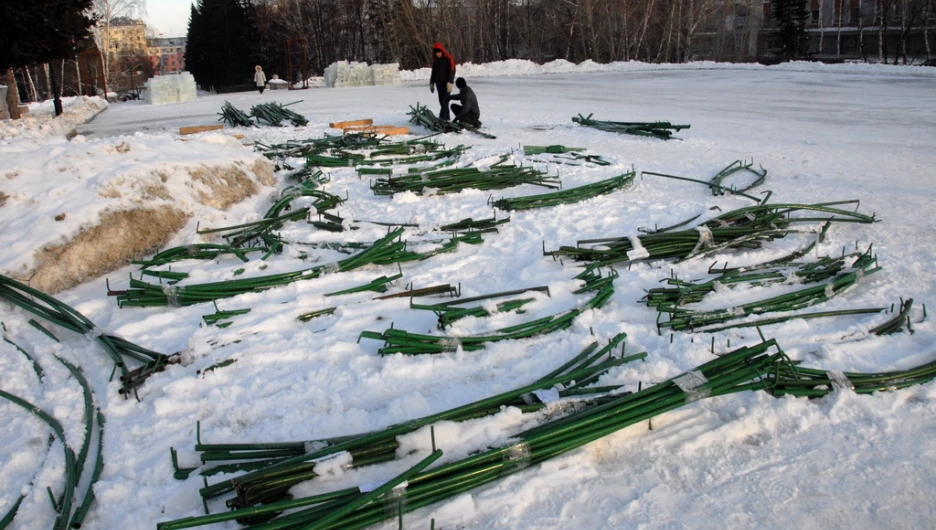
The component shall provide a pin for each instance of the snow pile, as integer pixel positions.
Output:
(93, 204)
(519, 67)
(41, 121)
(175, 88)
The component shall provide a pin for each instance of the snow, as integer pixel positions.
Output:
(41, 122)
(823, 132)
(96, 176)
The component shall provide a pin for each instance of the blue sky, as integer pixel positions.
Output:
(169, 17)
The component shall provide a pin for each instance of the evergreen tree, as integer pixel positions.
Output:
(792, 20)
(41, 31)
(194, 45)
(220, 51)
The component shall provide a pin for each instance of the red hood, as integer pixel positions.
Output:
(445, 53)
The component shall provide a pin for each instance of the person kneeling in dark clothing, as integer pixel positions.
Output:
(468, 112)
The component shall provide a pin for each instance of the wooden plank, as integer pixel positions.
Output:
(200, 128)
(352, 123)
(393, 131)
(378, 129)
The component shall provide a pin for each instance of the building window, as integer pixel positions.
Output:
(814, 17)
(849, 44)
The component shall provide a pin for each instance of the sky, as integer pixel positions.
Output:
(169, 17)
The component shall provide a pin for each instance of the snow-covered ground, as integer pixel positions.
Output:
(41, 122)
(824, 133)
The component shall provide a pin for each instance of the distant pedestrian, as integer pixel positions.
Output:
(259, 78)
(443, 74)
(468, 112)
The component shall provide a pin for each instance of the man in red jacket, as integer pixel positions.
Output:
(443, 75)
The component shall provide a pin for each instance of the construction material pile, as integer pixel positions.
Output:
(760, 367)
(421, 115)
(269, 113)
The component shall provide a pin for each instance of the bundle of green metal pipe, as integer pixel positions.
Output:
(471, 225)
(401, 341)
(256, 231)
(577, 159)
(567, 196)
(295, 148)
(839, 279)
(274, 114)
(677, 245)
(455, 180)
(274, 467)
(733, 372)
(199, 251)
(63, 506)
(308, 176)
(785, 260)
(742, 228)
(745, 369)
(790, 379)
(448, 312)
(122, 352)
(657, 129)
(234, 117)
(67, 514)
(421, 115)
(387, 250)
(549, 149)
(688, 292)
(765, 214)
(424, 117)
(347, 158)
(406, 148)
(323, 200)
(145, 294)
(219, 315)
(378, 285)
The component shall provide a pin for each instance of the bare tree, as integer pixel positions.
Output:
(12, 95)
(107, 11)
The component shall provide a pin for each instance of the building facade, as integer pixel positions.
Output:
(167, 54)
(125, 37)
(839, 30)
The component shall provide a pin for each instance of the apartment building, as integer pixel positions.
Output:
(839, 30)
(124, 36)
(167, 54)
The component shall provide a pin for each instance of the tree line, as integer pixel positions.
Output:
(41, 32)
(382, 31)
(228, 37)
